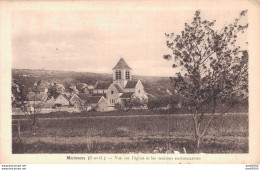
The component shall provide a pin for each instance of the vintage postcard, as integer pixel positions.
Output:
(130, 82)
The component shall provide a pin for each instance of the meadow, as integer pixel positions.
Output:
(130, 134)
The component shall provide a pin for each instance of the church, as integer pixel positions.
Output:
(121, 88)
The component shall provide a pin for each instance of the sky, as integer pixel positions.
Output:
(94, 40)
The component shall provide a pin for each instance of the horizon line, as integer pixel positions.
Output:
(86, 72)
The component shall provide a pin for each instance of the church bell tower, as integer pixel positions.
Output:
(121, 73)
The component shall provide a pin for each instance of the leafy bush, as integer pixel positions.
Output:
(134, 103)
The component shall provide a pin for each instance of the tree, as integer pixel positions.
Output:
(212, 70)
(134, 103)
(83, 88)
(21, 104)
(73, 89)
(127, 104)
(18, 98)
(54, 90)
(158, 103)
(80, 105)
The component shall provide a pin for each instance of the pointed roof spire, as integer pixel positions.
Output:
(121, 64)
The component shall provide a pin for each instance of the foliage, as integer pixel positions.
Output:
(55, 89)
(18, 96)
(134, 103)
(212, 68)
(163, 102)
(73, 89)
(80, 105)
(157, 103)
(118, 106)
(83, 88)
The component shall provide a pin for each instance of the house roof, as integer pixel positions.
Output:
(93, 99)
(36, 97)
(131, 84)
(103, 94)
(103, 85)
(55, 96)
(83, 96)
(119, 89)
(126, 95)
(121, 64)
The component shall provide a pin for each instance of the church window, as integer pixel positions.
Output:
(112, 100)
(127, 74)
(118, 74)
(112, 92)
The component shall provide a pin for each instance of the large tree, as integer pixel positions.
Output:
(212, 69)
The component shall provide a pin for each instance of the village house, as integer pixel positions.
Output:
(40, 102)
(61, 100)
(96, 103)
(39, 99)
(78, 101)
(87, 102)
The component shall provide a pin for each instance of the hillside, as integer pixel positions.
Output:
(156, 86)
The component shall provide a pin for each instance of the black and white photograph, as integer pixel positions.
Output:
(130, 82)
(115, 79)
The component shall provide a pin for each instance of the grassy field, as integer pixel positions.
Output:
(95, 114)
(130, 134)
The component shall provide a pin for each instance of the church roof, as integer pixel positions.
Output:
(131, 84)
(121, 64)
(119, 89)
(126, 95)
(103, 85)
